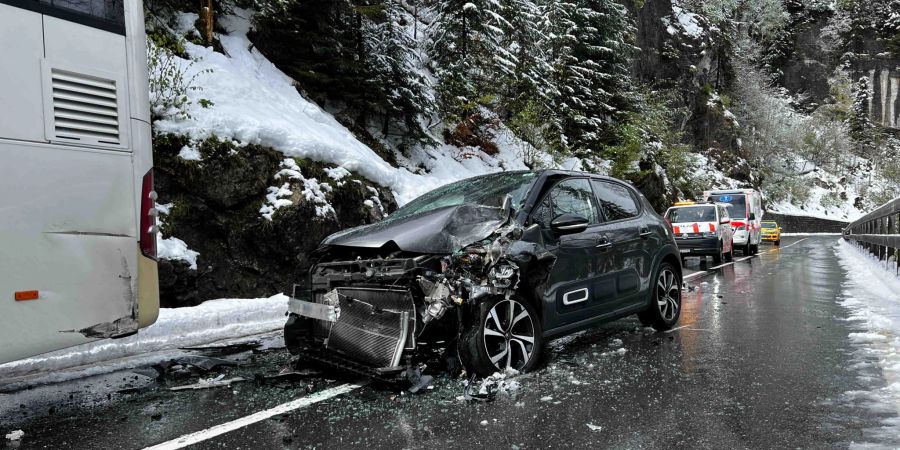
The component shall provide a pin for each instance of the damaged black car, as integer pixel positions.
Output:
(483, 272)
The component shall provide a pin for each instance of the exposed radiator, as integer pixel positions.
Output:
(374, 326)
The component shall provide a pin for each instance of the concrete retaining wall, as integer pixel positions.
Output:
(803, 224)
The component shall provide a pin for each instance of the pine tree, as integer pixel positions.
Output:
(394, 59)
(862, 130)
(592, 75)
(524, 39)
(467, 53)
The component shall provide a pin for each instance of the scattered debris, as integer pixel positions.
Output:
(15, 435)
(291, 374)
(546, 398)
(206, 383)
(484, 423)
(594, 427)
(491, 386)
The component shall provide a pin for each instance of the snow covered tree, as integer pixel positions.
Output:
(394, 59)
(467, 53)
(592, 74)
(524, 38)
(862, 131)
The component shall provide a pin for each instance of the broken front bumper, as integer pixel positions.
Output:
(370, 326)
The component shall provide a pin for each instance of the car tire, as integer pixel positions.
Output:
(778, 242)
(490, 344)
(746, 248)
(664, 310)
(720, 254)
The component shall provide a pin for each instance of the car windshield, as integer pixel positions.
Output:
(737, 204)
(488, 190)
(692, 214)
(768, 225)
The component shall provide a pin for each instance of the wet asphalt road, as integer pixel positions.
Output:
(761, 359)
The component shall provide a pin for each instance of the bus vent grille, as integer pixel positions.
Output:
(85, 108)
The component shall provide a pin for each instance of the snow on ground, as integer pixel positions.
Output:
(872, 295)
(212, 321)
(254, 102)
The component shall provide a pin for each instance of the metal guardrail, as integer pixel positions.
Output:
(879, 232)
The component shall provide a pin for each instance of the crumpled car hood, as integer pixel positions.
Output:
(443, 230)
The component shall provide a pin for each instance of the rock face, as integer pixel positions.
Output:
(215, 208)
(884, 78)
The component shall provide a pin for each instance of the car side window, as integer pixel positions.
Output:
(568, 196)
(616, 201)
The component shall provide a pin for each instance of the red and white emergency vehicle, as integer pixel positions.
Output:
(745, 209)
(702, 229)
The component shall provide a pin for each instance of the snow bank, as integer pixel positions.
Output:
(211, 321)
(254, 102)
(872, 295)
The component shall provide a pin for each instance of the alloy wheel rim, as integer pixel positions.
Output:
(667, 291)
(509, 335)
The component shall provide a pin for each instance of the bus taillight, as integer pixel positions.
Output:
(148, 217)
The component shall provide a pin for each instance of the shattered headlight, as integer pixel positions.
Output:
(503, 275)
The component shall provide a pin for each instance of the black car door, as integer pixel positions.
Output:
(629, 244)
(568, 290)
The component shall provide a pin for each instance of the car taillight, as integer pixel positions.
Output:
(148, 230)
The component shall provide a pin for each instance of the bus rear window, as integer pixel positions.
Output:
(737, 202)
(107, 15)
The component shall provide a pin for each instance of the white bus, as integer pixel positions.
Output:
(77, 207)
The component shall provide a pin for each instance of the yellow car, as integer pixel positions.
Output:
(771, 232)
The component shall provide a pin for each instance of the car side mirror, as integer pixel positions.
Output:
(568, 223)
(752, 216)
(724, 221)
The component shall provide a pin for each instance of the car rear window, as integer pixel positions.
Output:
(616, 200)
(768, 225)
(692, 214)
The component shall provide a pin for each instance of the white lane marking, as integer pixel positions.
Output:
(202, 435)
(710, 270)
(692, 275)
(795, 243)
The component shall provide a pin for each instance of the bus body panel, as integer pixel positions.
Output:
(70, 211)
(21, 50)
(67, 232)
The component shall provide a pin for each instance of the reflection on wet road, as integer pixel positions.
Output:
(761, 359)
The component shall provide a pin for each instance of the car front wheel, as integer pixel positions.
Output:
(507, 333)
(665, 309)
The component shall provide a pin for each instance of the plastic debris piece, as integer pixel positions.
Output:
(206, 383)
(15, 435)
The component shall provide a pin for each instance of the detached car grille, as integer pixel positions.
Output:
(374, 325)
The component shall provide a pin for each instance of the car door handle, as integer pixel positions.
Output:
(645, 233)
(604, 244)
